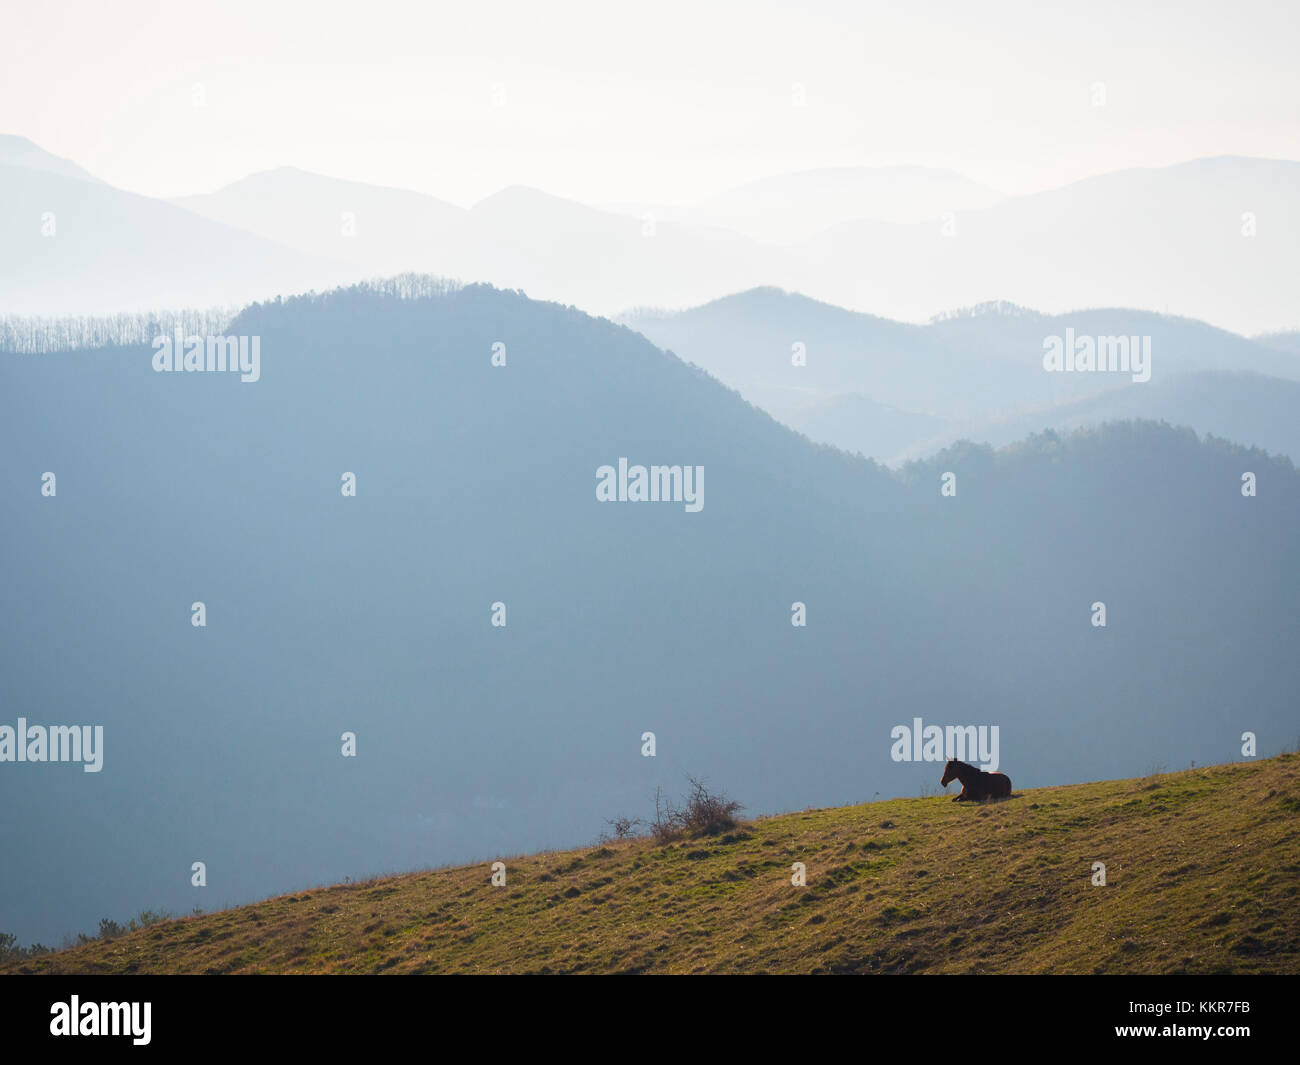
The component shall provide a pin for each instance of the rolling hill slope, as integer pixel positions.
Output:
(1200, 878)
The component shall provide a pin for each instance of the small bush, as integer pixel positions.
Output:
(110, 929)
(624, 827)
(668, 824)
(149, 917)
(704, 814)
(708, 814)
(11, 951)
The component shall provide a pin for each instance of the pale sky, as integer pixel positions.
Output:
(664, 102)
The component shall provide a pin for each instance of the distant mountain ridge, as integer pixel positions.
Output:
(19, 151)
(1211, 238)
(788, 208)
(975, 373)
(381, 230)
(75, 245)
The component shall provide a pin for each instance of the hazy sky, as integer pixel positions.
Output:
(662, 102)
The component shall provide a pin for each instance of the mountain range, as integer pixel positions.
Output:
(895, 391)
(1211, 239)
(476, 499)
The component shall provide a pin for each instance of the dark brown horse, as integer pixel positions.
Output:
(975, 783)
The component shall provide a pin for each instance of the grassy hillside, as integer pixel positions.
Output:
(1201, 867)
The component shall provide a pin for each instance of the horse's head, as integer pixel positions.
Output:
(949, 772)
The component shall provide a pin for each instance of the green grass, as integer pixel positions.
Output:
(1201, 867)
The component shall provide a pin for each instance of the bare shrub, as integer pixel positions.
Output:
(624, 828)
(704, 813)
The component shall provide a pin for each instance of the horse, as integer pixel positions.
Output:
(975, 783)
